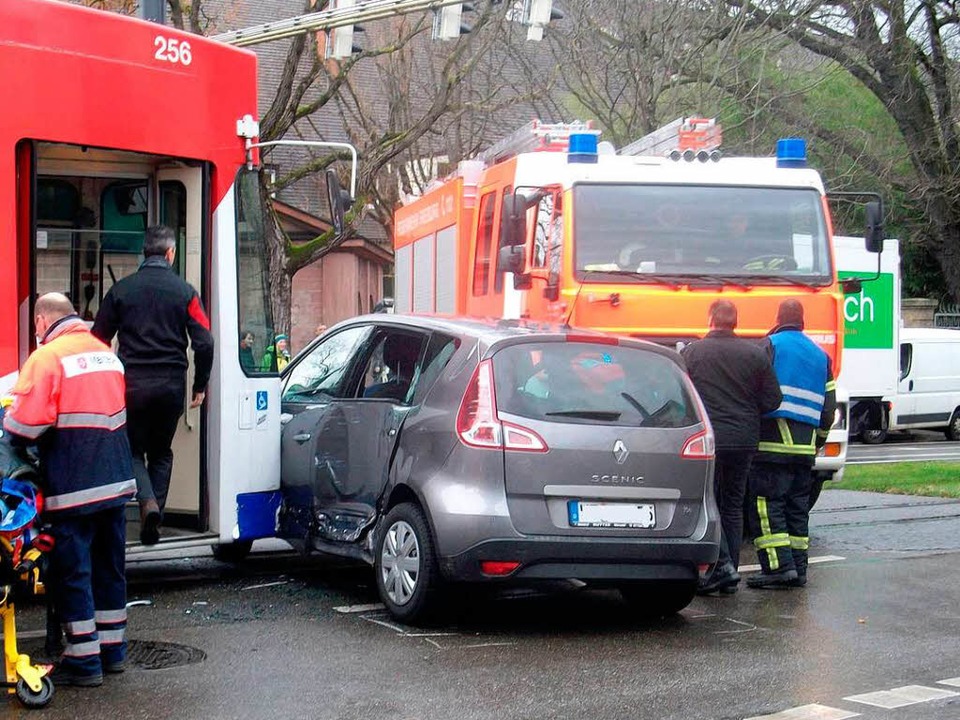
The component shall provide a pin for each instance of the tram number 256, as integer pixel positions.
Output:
(172, 50)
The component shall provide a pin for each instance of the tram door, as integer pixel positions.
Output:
(91, 209)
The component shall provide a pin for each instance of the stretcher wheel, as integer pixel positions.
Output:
(32, 699)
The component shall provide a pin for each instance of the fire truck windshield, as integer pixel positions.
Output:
(755, 235)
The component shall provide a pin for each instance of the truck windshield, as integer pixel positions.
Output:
(753, 235)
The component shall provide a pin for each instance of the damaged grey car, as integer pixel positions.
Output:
(450, 451)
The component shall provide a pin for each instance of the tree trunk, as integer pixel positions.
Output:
(280, 283)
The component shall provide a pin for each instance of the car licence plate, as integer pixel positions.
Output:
(612, 515)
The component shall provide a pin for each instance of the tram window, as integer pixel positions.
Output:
(173, 214)
(253, 299)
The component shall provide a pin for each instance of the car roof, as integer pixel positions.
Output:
(490, 331)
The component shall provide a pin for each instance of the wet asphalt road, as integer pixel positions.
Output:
(916, 446)
(885, 616)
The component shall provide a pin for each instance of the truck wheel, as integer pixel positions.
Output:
(873, 437)
(953, 429)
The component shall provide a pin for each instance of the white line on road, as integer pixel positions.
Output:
(901, 696)
(813, 561)
(809, 712)
(266, 585)
(359, 608)
(954, 682)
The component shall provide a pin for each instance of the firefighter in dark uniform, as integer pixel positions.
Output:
(153, 312)
(789, 439)
(69, 400)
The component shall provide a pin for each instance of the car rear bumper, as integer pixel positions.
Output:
(589, 559)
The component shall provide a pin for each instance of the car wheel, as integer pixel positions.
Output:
(654, 600)
(953, 429)
(233, 552)
(405, 563)
(873, 437)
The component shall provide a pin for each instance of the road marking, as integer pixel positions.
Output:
(809, 712)
(901, 696)
(266, 585)
(746, 627)
(954, 682)
(813, 561)
(359, 608)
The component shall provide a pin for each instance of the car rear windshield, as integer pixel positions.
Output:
(585, 383)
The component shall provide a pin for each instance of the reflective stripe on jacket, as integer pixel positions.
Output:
(802, 369)
(69, 399)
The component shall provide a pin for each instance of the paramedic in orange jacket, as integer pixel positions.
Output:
(69, 400)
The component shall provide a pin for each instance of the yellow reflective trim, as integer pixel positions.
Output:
(831, 385)
(799, 543)
(772, 447)
(772, 541)
(772, 558)
(784, 429)
(823, 433)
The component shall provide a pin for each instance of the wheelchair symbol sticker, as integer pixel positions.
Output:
(261, 400)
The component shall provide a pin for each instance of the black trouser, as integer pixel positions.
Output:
(154, 405)
(779, 516)
(730, 473)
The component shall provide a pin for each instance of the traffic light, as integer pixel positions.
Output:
(340, 201)
(340, 39)
(448, 21)
(537, 14)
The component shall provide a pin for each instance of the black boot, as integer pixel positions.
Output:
(774, 580)
(724, 578)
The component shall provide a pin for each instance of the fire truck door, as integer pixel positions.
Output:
(180, 206)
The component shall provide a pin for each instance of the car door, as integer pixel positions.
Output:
(353, 436)
(313, 386)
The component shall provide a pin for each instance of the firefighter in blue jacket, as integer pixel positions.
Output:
(781, 475)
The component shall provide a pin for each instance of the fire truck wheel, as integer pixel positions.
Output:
(874, 436)
(232, 552)
(38, 699)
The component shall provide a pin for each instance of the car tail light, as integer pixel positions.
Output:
(478, 424)
(699, 446)
(498, 567)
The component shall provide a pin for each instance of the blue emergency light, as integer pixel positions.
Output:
(791, 153)
(582, 148)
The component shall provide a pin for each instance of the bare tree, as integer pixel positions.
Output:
(903, 52)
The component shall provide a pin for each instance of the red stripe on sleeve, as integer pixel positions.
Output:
(196, 312)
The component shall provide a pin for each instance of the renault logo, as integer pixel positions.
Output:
(620, 452)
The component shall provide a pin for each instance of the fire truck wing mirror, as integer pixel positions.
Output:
(511, 259)
(874, 234)
(552, 291)
(513, 221)
(522, 281)
(339, 200)
(851, 286)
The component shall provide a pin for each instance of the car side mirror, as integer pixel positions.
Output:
(874, 234)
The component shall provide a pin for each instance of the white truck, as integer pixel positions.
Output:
(897, 378)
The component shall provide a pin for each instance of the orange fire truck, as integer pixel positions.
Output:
(552, 224)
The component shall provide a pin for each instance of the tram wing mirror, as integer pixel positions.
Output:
(874, 234)
(339, 200)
